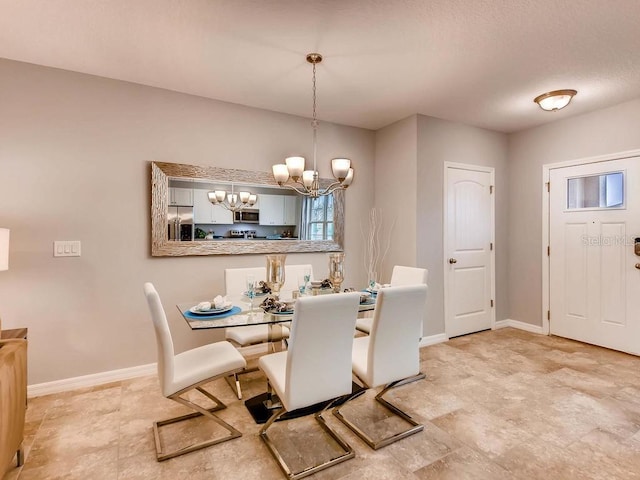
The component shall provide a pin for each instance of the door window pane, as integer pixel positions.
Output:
(596, 191)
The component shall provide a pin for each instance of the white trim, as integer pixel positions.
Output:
(519, 325)
(433, 339)
(546, 168)
(492, 259)
(92, 380)
(74, 383)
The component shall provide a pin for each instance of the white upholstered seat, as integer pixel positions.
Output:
(187, 371)
(316, 367)
(292, 273)
(235, 280)
(390, 354)
(400, 276)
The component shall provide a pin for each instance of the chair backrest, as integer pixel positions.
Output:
(291, 275)
(408, 276)
(235, 279)
(163, 339)
(394, 340)
(320, 345)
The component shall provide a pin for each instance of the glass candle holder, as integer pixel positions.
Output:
(275, 273)
(336, 270)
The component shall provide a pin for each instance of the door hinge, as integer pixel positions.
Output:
(548, 314)
(491, 246)
(548, 184)
(548, 251)
(490, 189)
(492, 303)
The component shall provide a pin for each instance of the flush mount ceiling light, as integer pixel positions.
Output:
(306, 182)
(552, 101)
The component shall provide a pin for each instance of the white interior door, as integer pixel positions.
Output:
(468, 247)
(594, 273)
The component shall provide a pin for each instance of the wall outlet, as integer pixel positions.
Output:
(66, 248)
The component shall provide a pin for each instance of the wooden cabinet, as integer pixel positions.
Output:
(182, 197)
(279, 210)
(205, 212)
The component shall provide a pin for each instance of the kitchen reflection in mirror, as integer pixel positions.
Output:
(197, 211)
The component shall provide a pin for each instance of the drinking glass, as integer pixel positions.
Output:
(251, 289)
(336, 270)
(302, 285)
(275, 273)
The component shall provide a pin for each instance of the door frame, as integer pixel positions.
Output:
(445, 239)
(546, 230)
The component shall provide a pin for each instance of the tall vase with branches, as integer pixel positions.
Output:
(375, 246)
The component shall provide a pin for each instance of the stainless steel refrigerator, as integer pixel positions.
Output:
(180, 224)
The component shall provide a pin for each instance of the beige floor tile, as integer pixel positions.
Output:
(504, 404)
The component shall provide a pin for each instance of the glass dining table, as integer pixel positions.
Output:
(245, 313)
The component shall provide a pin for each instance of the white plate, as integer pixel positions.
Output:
(288, 312)
(213, 311)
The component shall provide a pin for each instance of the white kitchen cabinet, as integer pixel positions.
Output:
(205, 212)
(278, 210)
(182, 197)
(291, 209)
(271, 210)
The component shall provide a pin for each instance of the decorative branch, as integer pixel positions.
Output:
(374, 254)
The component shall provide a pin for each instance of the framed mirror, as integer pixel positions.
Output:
(170, 187)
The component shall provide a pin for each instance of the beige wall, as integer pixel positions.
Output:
(410, 157)
(440, 141)
(396, 192)
(606, 131)
(74, 163)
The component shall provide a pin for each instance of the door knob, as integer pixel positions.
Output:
(453, 260)
(638, 266)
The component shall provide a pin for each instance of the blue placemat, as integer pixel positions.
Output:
(194, 316)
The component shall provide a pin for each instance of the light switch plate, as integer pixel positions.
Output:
(66, 248)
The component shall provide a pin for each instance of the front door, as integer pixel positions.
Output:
(469, 231)
(594, 270)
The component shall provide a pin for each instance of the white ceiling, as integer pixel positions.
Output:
(479, 62)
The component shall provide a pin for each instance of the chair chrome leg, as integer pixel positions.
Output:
(161, 455)
(348, 451)
(376, 444)
(234, 383)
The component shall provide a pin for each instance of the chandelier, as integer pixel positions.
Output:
(233, 201)
(306, 182)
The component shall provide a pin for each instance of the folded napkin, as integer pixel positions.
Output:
(220, 301)
(203, 306)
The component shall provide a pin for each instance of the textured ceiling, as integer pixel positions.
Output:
(479, 62)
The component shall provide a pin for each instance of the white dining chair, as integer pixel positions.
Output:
(316, 368)
(400, 276)
(292, 275)
(390, 354)
(189, 370)
(235, 280)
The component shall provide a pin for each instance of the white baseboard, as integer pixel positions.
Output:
(518, 324)
(433, 339)
(92, 380)
(66, 384)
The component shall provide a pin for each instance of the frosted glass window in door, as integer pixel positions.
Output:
(596, 191)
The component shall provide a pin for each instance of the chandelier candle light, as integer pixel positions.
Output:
(230, 201)
(306, 182)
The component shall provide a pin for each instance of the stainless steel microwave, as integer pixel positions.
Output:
(247, 216)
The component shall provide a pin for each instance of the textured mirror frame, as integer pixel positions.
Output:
(162, 247)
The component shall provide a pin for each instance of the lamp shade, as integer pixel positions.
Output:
(552, 101)
(4, 249)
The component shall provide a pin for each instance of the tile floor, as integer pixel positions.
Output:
(502, 404)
